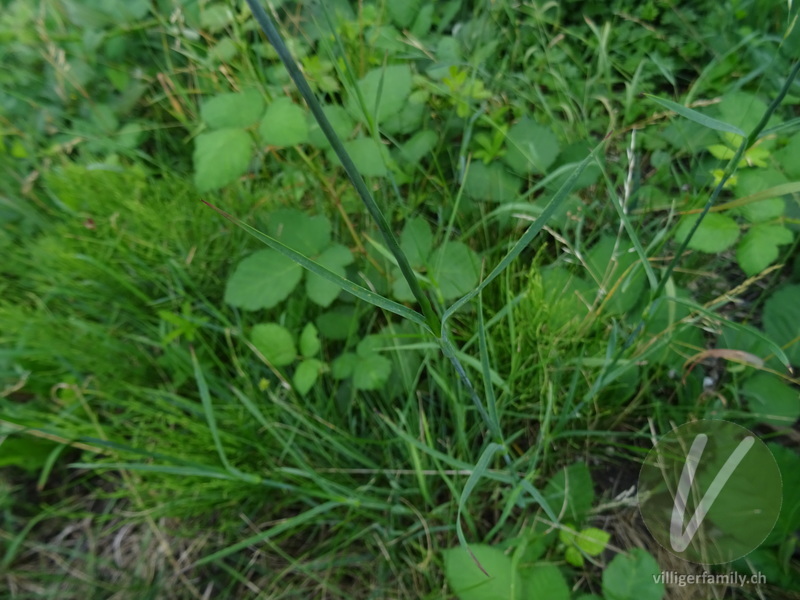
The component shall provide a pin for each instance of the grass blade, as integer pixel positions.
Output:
(697, 117)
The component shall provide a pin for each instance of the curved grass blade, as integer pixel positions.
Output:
(345, 284)
(269, 29)
(697, 117)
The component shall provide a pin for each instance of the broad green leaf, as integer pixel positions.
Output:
(754, 181)
(592, 540)
(468, 582)
(787, 156)
(275, 343)
(530, 147)
(571, 487)
(284, 124)
(338, 323)
(574, 557)
(491, 182)
(303, 233)
(416, 241)
(781, 316)
(309, 341)
(262, 280)
(223, 51)
(344, 365)
(545, 582)
(236, 109)
(632, 577)
(384, 91)
(220, 157)
(215, 17)
(404, 13)
(715, 233)
(609, 262)
(406, 121)
(339, 119)
(697, 117)
(420, 145)
(771, 400)
(367, 156)
(789, 520)
(456, 269)
(566, 295)
(759, 247)
(305, 376)
(742, 109)
(321, 291)
(372, 372)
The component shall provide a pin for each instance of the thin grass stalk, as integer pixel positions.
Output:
(269, 29)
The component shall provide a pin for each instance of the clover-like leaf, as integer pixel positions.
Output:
(275, 343)
(220, 157)
(284, 124)
(334, 258)
(262, 280)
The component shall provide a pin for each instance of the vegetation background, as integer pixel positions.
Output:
(188, 413)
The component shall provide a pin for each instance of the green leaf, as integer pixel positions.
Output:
(571, 487)
(303, 233)
(404, 13)
(716, 232)
(284, 124)
(275, 343)
(215, 17)
(220, 157)
(755, 181)
(771, 400)
(545, 582)
(416, 241)
(742, 110)
(608, 261)
(530, 147)
(491, 182)
(420, 145)
(573, 556)
(468, 582)
(697, 117)
(456, 269)
(232, 110)
(372, 372)
(344, 365)
(592, 540)
(367, 156)
(262, 280)
(309, 341)
(321, 291)
(384, 91)
(632, 577)
(781, 316)
(305, 376)
(339, 119)
(338, 323)
(759, 247)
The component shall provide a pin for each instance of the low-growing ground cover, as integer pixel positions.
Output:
(580, 231)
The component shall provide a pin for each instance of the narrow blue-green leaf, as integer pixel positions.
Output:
(291, 523)
(483, 348)
(208, 472)
(697, 117)
(527, 237)
(483, 464)
(345, 284)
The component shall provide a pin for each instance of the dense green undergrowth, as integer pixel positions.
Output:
(184, 411)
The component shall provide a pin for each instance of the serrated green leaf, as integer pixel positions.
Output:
(384, 90)
(339, 119)
(220, 157)
(275, 343)
(309, 341)
(491, 182)
(371, 372)
(530, 147)
(367, 156)
(305, 376)
(632, 577)
(716, 232)
(741, 109)
(262, 280)
(573, 556)
(545, 582)
(468, 582)
(236, 109)
(420, 145)
(404, 13)
(338, 324)
(303, 233)
(284, 124)
(344, 365)
(215, 17)
(456, 269)
(416, 241)
(759, 247)
(771, 400)
(697, 117)
(321, 291)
